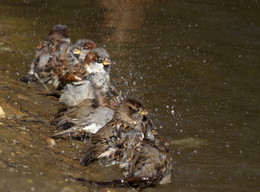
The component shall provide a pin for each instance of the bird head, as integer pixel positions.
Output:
(82, 46)
(132, 111)
(60, 29)
(98, 60)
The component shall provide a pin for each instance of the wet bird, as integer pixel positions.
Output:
(108, 142)
(147, 162)
(145, 159)
(86, 79)
(74, 61)
(81, 121)
(150, 160)
(85, 119)
(50, 53)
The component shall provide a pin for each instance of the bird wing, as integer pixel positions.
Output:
(102, 143)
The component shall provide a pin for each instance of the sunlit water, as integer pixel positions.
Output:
(195, 64)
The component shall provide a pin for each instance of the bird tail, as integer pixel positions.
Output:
(64, 133)
(29, 78)
(72, 133)
(64, 124)
(88, 158)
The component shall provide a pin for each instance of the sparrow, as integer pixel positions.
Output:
(133, 138)
(85, 119)
(106, 143)
(51, 52)
(150, 161)
(86, 79)
(145, 159)
(147, 162)
(82, 121)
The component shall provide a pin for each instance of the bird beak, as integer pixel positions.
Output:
(76, 51)
(154, 132)
(107, 62)
(144, 112)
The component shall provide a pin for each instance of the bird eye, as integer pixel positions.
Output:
(98, 59)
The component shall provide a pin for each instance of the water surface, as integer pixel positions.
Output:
(195, 64)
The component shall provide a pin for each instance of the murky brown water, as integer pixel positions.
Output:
(194, 63)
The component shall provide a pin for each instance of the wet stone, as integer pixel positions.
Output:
(51, 142)
(2, 113)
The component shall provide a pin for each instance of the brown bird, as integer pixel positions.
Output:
(150, 159)
(145, 159)
(51, 52)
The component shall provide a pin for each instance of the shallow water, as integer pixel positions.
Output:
(195, 64)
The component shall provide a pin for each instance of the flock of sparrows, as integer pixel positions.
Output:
(117, 128)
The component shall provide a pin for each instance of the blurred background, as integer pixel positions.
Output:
(195, 64)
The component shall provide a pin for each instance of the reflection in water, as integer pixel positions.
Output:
(124, 16)
(124, 19)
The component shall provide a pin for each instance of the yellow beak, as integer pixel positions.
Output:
(107, 62)
(76, 51)
(144, 112)
(154, 132)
